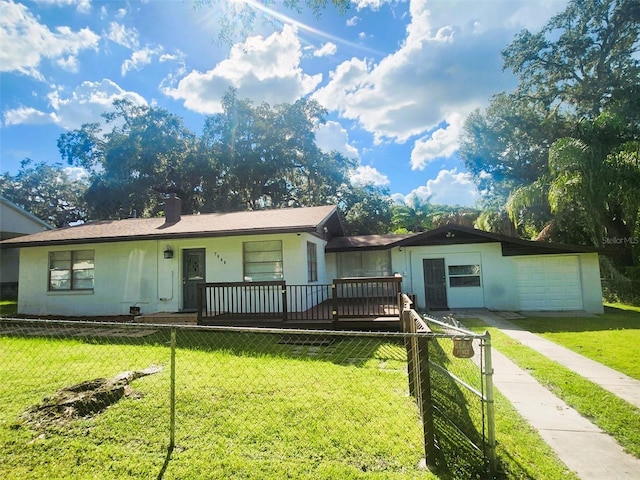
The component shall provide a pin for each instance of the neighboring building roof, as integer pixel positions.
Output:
(318, 220)
(16, 221)
(454, 235)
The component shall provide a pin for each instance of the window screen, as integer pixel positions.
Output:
(262, 261)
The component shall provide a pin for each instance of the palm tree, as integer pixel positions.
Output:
(592, 186)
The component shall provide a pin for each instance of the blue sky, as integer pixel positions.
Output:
(397, 77)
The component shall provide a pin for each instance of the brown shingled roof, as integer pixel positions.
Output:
(308, 219)
(367, 242)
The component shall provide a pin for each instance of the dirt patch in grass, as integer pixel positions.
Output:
(84, 399)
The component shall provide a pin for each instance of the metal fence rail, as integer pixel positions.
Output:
(451, 377)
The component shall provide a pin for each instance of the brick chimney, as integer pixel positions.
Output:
(172, 208)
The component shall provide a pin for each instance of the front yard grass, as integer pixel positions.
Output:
(613, 415)
(609, 338)
(248, 407)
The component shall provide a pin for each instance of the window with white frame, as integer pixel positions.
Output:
(370, 263)
(71, 270)
(312, 262)
(262, 261)
(464, 275)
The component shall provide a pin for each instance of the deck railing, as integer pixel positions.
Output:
(366, 297)
(370, 297)
(258, 299)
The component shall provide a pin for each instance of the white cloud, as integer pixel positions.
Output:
(82, 6)
(120, 34)
(331, 136)
(87, 102)
(353, 21)
(140, 58)
(26, 116)
(69, 63)
(366, 174)
(326, 50)
(450, 187)
(261, 69)
(440, 144)
(448, 64)
(77, 173)
(371, 4)
(31, 41)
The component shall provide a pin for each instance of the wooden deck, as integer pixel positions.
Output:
(379, 324)
(349, 316)
(318, 319)
(361, 304)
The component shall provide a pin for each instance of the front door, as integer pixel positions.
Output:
(435, 283)
(193, 268)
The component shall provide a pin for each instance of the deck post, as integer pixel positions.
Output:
(283, 289)
(334, 305)
(199, 295)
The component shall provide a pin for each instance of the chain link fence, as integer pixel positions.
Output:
(121, 400)
(621, 290)
(462, 394)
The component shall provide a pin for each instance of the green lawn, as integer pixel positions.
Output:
(617, 328)
(607, 338)
(8, 307)
(248, 407)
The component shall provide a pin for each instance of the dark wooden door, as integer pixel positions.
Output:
(193, 273)
(435, 283)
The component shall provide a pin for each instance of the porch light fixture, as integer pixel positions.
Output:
(168, 252)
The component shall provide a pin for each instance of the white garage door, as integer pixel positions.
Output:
(549, 283)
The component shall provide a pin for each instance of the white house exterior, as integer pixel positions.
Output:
(459, 267)
(105, 268)
(108, 268)
(15, 222)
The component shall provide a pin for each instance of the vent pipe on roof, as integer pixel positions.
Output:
(172, 208)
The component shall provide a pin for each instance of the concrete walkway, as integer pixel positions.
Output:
(582, 446)
(615, 382)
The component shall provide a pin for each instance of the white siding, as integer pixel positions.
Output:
(496, 292)
(136, 273)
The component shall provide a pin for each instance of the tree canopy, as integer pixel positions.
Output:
(47, 191)
(248, 157)
(559, 154)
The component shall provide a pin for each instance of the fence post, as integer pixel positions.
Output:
(491, 429)
(172, 420)
(425, 399)
(405, 320)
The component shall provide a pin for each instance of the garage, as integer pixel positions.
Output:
(549, 283)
